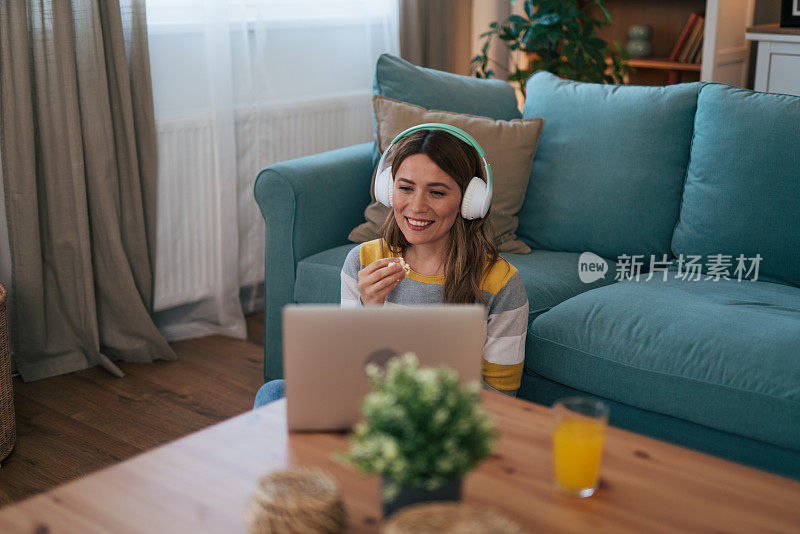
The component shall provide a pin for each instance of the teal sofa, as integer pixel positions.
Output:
(678, 178)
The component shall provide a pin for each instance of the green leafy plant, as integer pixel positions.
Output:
(421, 427)
(557, 36)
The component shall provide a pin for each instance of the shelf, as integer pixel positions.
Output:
(672, 68)
(773, 28)
(662, 64)
(773, 33)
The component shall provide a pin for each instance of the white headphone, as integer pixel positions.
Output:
(478, 194)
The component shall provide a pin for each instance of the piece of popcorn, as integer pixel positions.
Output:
(406, 267)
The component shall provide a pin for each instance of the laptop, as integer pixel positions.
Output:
(326, 349)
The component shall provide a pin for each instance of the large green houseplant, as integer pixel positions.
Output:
(557, 36)
(422, 431)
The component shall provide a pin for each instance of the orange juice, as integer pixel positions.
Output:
(577, 449)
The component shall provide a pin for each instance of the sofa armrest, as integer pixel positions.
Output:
(309, 205)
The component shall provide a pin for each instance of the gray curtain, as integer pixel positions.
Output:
(77, 138)
(437, 34)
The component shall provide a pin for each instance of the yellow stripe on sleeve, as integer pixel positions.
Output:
(502, 377)
(499, 275)
(373, 250)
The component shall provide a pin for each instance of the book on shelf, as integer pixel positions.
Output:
(696, 57)
(693, 42)
(680, 44)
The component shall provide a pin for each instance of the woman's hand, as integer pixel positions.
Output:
(377, 279)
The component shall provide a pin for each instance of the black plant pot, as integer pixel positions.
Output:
(408, 495)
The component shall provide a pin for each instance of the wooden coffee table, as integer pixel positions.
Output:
(201, 484)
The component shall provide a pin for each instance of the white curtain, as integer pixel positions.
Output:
(226, 75)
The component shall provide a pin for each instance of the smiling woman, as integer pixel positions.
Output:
(438, 225)
(437, 246)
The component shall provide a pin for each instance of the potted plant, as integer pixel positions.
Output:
(557, 36)
(422, 431)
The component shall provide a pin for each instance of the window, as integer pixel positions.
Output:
(279, 50)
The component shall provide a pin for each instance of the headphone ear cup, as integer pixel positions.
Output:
(474, 198)
(384, 186)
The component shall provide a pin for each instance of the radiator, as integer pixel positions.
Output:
(188, 224)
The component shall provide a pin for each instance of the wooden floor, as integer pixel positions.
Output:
(71, 425)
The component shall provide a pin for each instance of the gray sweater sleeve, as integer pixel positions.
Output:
(350, 296)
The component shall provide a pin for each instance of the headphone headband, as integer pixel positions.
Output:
(457, 132)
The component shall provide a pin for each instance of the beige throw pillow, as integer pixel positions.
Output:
(509, 146)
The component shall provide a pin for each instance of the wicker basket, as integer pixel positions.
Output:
(8, 427)
(450, 518)
(297, 501)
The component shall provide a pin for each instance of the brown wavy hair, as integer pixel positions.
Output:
(471, 248)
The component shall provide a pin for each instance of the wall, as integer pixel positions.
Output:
(484, 13)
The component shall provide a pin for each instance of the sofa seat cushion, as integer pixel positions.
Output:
(552, 277)
(549, 277)
(742, 193)
(318, 278)
(609, 171)
(722, 354)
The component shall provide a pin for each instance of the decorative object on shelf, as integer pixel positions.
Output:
(790, 13)
(447, 518)
(556, 36)
(296, 501)
(422, 432)
(8, 423)
(639, 40)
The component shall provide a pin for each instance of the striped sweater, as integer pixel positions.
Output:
(504, 295)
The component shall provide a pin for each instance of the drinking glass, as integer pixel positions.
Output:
(578, 436)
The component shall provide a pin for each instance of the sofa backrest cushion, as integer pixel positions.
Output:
(432, 89)
(610, 167)
(742, 193)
